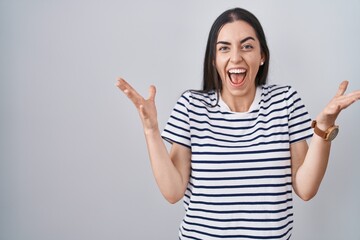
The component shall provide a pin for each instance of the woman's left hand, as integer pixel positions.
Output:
(339, 102)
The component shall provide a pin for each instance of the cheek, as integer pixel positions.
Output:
(254, 63)
(220, 66)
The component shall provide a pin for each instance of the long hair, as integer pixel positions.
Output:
(211, 78)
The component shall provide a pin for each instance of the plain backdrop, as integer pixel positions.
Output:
(73, 160)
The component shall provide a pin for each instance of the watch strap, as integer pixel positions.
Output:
(317, 130)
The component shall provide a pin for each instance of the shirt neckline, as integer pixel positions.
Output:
(254, 105)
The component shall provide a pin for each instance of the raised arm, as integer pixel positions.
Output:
(171, 171)
(309, 163)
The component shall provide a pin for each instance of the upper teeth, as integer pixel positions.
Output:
(237, 70)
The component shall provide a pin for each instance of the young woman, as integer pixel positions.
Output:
(238, 145)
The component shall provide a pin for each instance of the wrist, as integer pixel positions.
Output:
(151, 131)
(323, 122)
(326, 132)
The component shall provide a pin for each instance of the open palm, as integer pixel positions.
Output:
(145, 107)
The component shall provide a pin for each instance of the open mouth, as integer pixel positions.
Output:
(237, 76)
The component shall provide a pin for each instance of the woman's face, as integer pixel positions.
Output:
(238, 58)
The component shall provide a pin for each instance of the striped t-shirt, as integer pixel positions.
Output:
(240, 184)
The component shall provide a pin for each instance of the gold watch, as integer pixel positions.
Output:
(328, 135)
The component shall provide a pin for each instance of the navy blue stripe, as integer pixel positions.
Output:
(177, 135)
(241, 211)
(298, 116)
(241, 186)
(208, 95)
(195, 112)
(186, 99)
(238, 127)
(272, 95)
(242, 203)
(300, 123)
(240, 178)
(180, 112)
(177, 127)
(244, 146)
(175, 141)
(194, 136)
(262, 108)
(297, 108)
(241, 194)
(241, 169)
(178, 119)
(237, 135)
(300, 131)
(241, 228)
(241, 161)
(187, 236)
(270, 89)
(242, 152)
(236, 236)
(276, 102)
(241, 219)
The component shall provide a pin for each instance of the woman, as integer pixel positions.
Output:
(239, 145)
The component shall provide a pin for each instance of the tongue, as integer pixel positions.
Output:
(237, 77)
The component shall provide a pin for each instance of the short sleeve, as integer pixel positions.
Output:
(299, 118)
(177, 129)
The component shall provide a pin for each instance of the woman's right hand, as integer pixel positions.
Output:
(145, 107)
(171, 171)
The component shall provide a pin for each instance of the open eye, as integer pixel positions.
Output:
(247, 47)
(223, 48)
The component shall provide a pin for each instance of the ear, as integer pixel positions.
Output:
(262, 60)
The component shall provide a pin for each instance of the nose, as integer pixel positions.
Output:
(236, 56)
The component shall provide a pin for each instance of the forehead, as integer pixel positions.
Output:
(236, 30)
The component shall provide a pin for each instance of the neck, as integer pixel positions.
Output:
(239, 103)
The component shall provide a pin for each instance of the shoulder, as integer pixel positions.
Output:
(194, 97)
(281, 95)
(276, 91)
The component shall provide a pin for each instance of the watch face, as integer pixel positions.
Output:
(332, 133)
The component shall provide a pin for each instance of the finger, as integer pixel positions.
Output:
(123, 85)
(349, 99)
(130, 92)
(152, 93)
(342, 88)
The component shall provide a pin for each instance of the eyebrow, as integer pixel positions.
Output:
(242, 41)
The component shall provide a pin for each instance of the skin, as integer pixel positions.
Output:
(172, 169)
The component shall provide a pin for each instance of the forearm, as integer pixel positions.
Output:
(310, 174)
(167, 176)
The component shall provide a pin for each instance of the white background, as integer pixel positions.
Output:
(73, 160)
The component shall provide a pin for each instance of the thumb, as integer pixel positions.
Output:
(142, 112)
